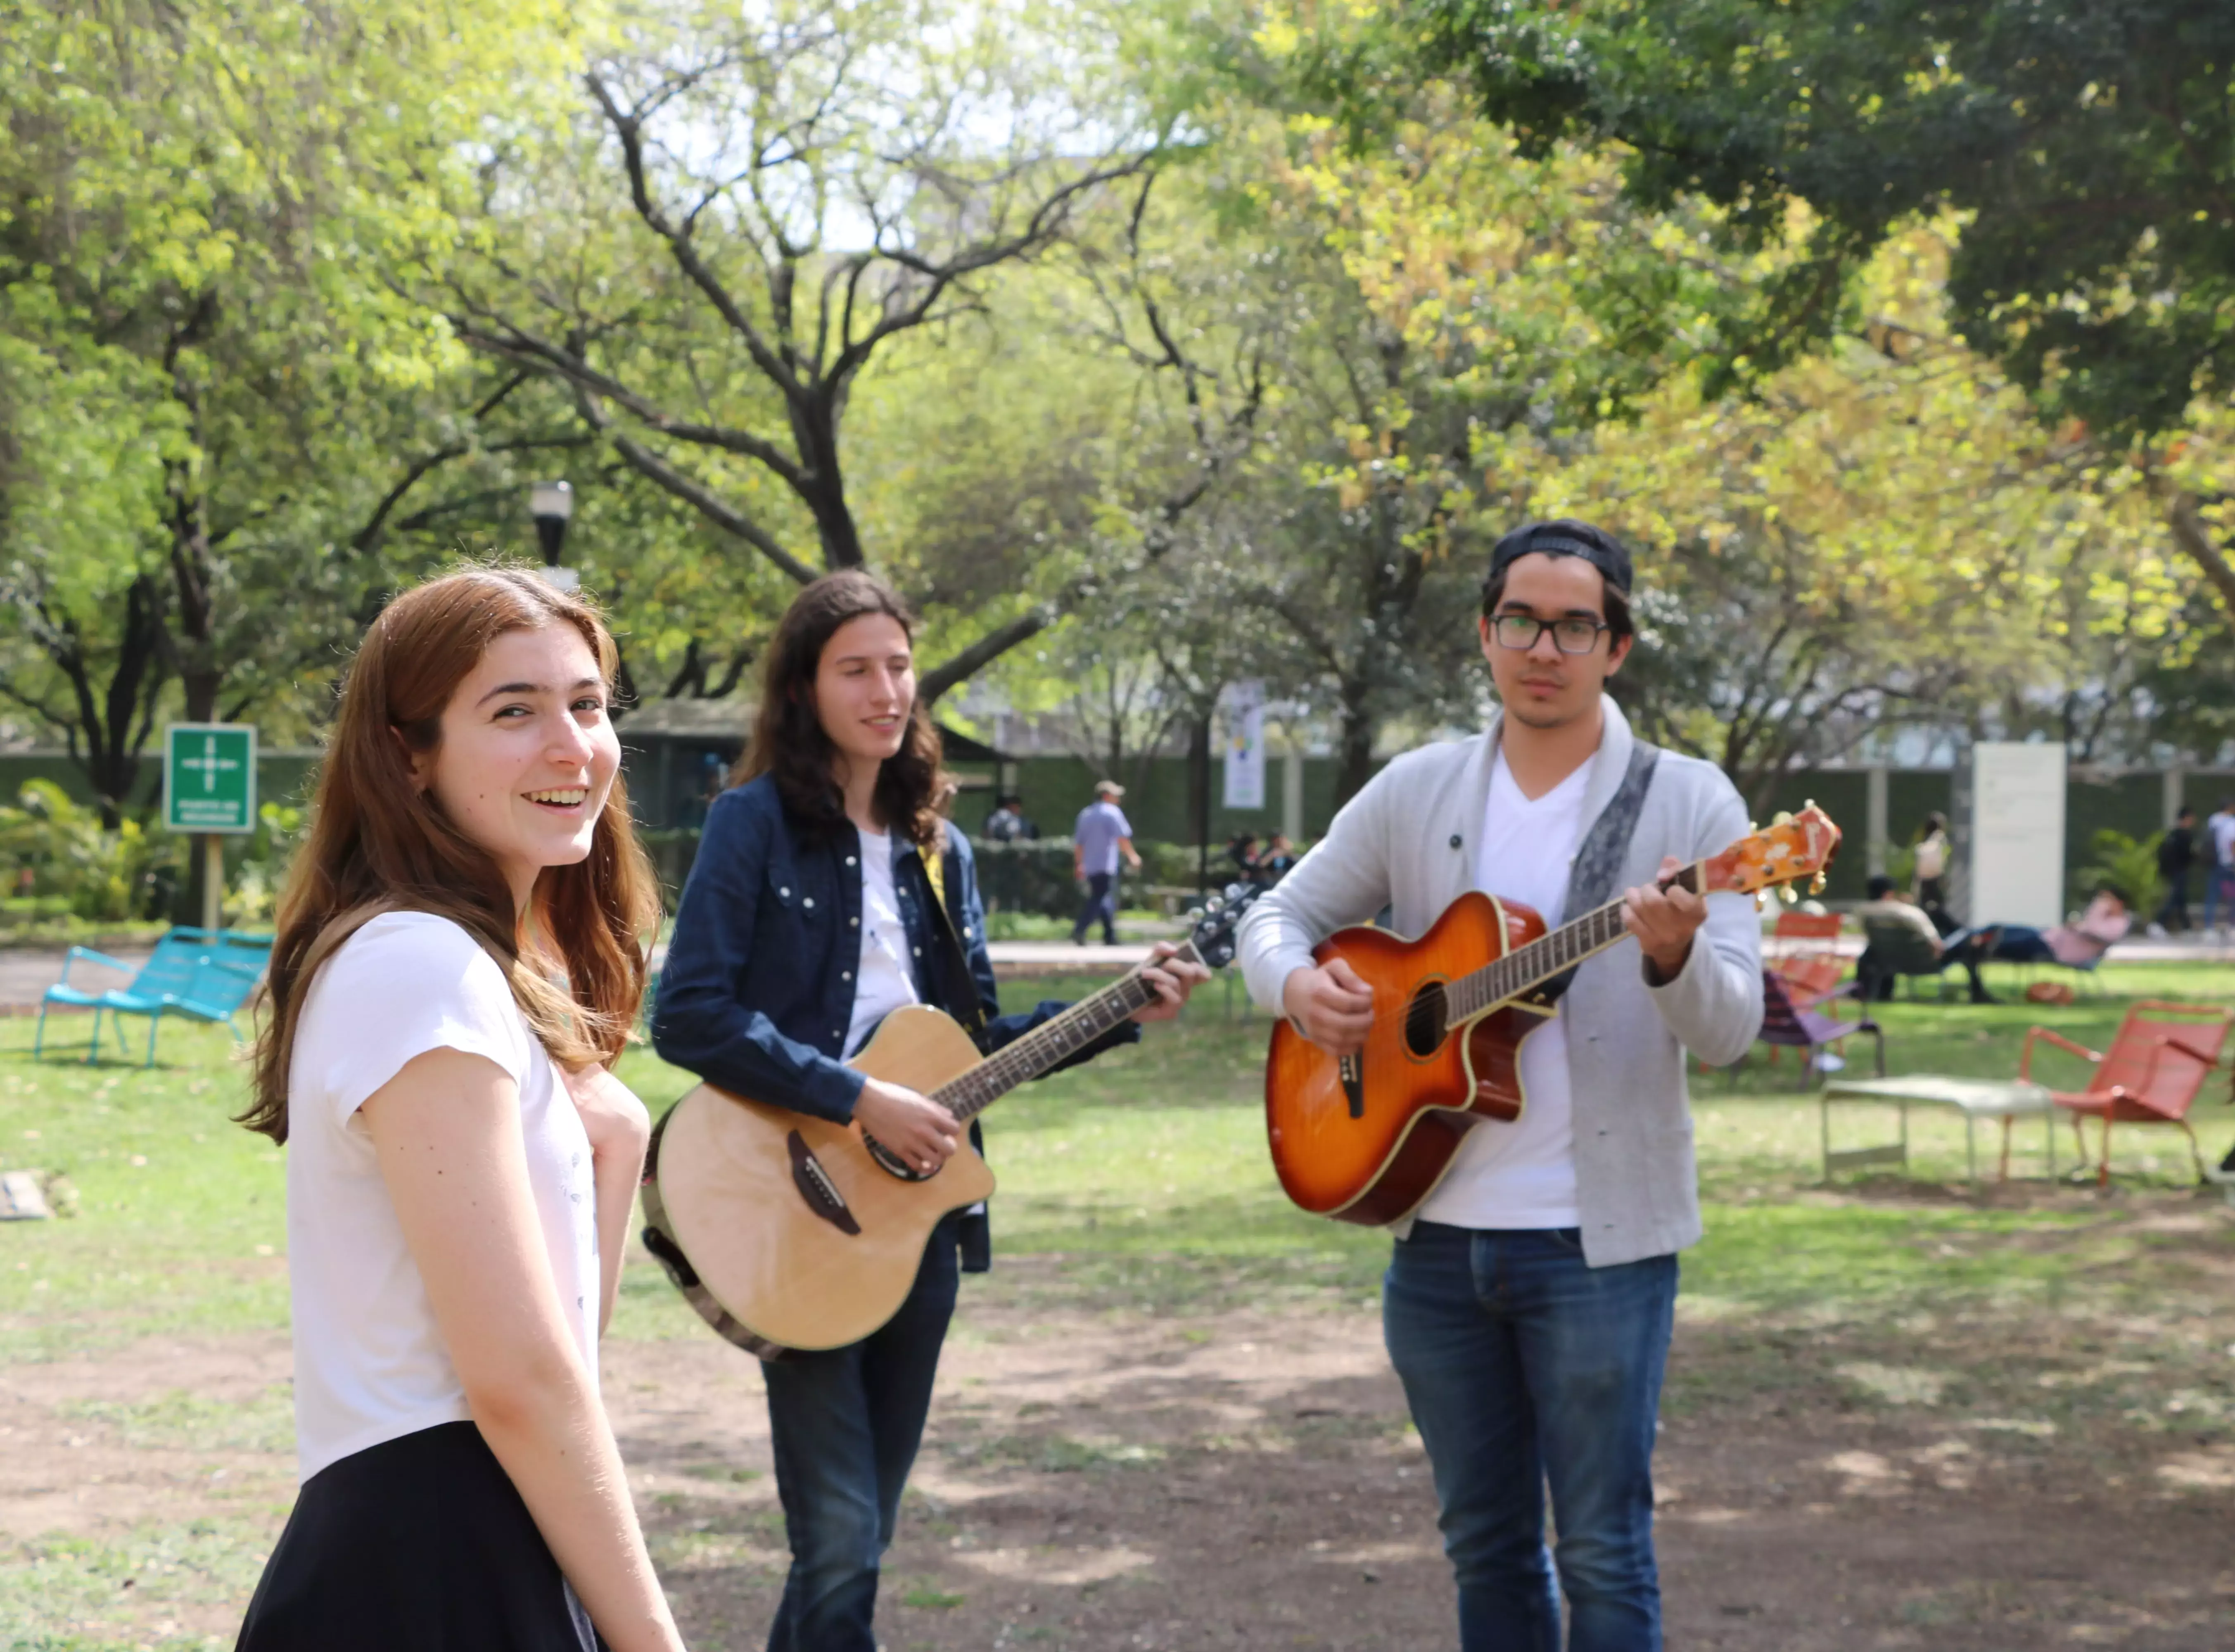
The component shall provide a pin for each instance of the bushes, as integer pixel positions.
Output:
(2128, 865)
(55, 849)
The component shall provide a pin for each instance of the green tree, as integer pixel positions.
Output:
(759, 207)
(2089, 144)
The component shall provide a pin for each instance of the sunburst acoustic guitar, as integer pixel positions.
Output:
(786, 1231)
(1365, 1138)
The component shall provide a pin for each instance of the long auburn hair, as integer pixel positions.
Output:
(788, 741)
(377, 839)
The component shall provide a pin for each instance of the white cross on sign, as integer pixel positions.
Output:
(209, 762)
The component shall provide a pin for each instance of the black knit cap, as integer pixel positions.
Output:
(1565, 537)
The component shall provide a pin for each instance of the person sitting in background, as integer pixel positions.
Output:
(1874, 971)
(2079, 946)
(1274, 863)
(1241, 850)
(1007, 824)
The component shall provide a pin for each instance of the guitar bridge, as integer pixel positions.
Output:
(1352, 1068)
(815, 1187)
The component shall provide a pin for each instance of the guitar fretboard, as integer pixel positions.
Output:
(1507, 978)
(1049, 1044)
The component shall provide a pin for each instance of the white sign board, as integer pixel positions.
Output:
(1245, 744)
(2017, 833)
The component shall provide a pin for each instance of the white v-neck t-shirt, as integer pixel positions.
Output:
(371, 1365)
(884, 981)
(1523, 1175)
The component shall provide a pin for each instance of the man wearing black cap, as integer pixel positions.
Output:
(1529, 1298)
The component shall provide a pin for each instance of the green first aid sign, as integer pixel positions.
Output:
(209, 777)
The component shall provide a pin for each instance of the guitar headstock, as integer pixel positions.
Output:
(1795, 847)
(1213, 934)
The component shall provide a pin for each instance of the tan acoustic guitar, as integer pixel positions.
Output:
(1365, 1138)
(786, 1231)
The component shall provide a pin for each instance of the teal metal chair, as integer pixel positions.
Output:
(205, 975)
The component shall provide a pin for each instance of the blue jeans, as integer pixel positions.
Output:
(1523, 1366)
(1101, 902)
(845, 1425)
(2218, 891)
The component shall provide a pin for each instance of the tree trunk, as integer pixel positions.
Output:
(1198, 771)
(1355, 747)
(2193, 536)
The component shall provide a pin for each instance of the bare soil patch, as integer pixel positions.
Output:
(1099, 1482)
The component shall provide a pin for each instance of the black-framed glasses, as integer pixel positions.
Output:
(1572, 633)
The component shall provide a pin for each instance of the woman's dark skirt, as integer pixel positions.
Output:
(417, 1545)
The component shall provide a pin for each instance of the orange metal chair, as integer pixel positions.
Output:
(2159, 1061)
(1808, 960)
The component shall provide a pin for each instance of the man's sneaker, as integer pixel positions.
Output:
(2155, 931)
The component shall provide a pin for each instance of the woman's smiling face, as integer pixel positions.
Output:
(527, 754)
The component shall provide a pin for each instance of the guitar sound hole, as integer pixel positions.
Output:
(891, 1163)
(1424, 1021)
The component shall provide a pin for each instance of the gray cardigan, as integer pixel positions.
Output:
(1406, 842)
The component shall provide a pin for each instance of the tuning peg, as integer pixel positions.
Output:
(1753, 825)
(1816, 884)
(1783, 817)
(1787, 894)
(1760, 898)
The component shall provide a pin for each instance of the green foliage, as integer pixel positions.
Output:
(51, 846)
(2128, 865)
(254, 884)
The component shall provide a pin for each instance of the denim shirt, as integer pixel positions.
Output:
(758, 986)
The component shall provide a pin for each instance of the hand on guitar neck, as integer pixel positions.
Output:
(1664, 918)
(1335, 1005)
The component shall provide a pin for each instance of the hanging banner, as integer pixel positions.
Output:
(1245, 744)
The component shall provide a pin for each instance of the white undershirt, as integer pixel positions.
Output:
(371, 1364)
(883, 982)
(1523, 1175)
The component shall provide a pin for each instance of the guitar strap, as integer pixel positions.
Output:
(975, 1238)
(1606, 846)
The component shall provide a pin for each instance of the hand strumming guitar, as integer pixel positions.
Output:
(911, 1125)
(1331, 1004)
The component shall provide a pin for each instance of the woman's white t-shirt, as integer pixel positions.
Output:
(369, 1362)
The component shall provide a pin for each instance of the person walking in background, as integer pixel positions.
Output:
(2176, 854)
(1931, 881)
(1101, 835)
(2219, 875)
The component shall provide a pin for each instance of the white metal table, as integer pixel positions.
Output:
(2005, 1100)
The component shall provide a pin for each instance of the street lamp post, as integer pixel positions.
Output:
(551, 504)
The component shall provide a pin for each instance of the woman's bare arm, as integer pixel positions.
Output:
(620, 1128)
(447, 1130)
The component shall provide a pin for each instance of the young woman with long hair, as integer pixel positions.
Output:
(809, 916)
(459, 958)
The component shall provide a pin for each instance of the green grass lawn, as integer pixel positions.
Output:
(1147, 1168)
(1146, 1173)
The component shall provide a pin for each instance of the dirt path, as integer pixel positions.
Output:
(1243, 1482)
